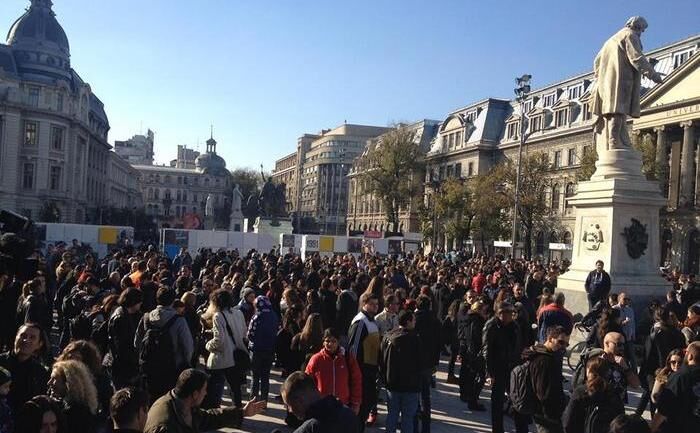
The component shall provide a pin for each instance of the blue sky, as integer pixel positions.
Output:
(265, 72)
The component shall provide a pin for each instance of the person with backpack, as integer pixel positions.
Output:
(594, 405)
(502, 350)
(544, 371)
(335, 372)
(164, 344)
(399, 366)
(470, 325)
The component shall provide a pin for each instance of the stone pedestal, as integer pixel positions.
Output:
(617, 212)
(265, 226)
(236, 223)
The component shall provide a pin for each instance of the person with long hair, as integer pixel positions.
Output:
(610, 320)
(663, 338)
(289, 360)
(72, 384)
(674, 360)
(310, 340)
(691, 326)
(41, 414)
(88, 353)
(376, 287)
(595, 393)
(228, 335)
(470, 324)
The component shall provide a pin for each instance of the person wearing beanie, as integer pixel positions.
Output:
(247, 303)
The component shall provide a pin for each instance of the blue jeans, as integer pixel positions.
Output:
(407, 404)
(261, 365)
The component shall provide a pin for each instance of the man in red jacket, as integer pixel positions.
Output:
(336, 373)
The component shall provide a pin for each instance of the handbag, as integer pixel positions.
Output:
(240, 356)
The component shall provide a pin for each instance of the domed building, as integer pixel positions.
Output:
(55, 161)
(176, 196)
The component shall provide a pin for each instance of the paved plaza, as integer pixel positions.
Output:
(450, 415)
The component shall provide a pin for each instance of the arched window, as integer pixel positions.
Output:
(157, 193)
(568, 193)
(556, 197)
(539, 244)
(167, 194)
(150, 193)
(553, 238)
(567, 238)
(666, 243)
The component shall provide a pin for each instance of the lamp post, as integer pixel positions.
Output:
(522, 92)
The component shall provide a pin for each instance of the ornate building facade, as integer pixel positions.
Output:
(53, 128)
(558, 122)
(365, 211)
(176, 197)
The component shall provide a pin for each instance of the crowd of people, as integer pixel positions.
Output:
(139, 342)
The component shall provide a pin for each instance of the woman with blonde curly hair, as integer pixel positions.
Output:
(72, 383)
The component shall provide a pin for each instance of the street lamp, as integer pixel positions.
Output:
(522, 92)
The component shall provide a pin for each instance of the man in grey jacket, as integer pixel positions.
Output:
(181, 338)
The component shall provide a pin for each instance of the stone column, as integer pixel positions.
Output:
(661, 159)
(687, 158)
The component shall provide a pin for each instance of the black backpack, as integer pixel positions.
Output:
(157, 354)
(521, 392)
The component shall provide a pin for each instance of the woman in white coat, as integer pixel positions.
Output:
(229, 333)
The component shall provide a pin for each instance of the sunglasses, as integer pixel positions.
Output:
(675, 362)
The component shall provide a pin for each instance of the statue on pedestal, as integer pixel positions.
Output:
(618, 70)
(236, 199)
(209, 207)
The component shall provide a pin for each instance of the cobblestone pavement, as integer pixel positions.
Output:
(450, 415)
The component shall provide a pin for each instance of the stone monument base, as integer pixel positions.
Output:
(617, 221)
(264, 226)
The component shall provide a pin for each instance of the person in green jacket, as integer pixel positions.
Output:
(178, 411)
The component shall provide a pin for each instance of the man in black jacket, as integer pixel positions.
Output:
(399, 366)
(428, 330)
(502, 349)
(547, 380)
(597, 284)
(321, 414)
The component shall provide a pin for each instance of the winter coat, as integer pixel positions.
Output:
(337, 375)
(346, 307)
(428, 331)
(547, 382)
(262, 331)
(501, 347)
(166, 416)
(679, 401)
(221, 346)
(121, 329)
(470, 328)
(442, 297)
(35, 309)
(660, 342)
(183, 345)
(581, 404)
(328, 415)
(328, 308)
(553, 315)
(400, 361)
(598, 287)
(29, 379)
(364, 340)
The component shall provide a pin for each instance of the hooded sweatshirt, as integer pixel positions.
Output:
(263, 328)
(183, 345)
(547, 382)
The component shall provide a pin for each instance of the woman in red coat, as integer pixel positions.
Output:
(336, 373)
